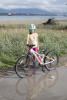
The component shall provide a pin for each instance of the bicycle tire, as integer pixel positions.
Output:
(51, 67)
(24, 67)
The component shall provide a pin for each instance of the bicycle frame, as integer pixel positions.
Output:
(40, 57)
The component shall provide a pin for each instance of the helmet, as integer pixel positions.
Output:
(32, 27)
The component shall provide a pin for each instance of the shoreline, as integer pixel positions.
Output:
(23, 21)
(29, 21)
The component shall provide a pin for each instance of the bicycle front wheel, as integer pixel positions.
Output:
(23, 67)
(51, 60)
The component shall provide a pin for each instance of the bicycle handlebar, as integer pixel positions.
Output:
(30, 45)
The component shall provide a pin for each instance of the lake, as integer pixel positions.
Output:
(32, 17)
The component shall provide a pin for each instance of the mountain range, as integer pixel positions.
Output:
(30, 11)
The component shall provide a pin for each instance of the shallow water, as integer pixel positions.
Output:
(41, 86)
(31, 17)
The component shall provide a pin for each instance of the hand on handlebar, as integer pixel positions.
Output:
(31, 46)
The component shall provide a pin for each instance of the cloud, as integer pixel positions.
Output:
(41, 4)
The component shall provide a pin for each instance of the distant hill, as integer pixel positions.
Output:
(26, 11)
(3, 10)
(30, 11)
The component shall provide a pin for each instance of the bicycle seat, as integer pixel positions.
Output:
(44, 50)
(30, 46)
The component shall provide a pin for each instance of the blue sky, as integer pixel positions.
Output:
(50, 5)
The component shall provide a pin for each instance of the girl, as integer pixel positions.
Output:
(32, 39)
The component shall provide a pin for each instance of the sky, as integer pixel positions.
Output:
(41, 4)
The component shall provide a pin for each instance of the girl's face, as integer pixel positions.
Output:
(31, 31)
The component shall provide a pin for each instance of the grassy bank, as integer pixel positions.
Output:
(13, 41)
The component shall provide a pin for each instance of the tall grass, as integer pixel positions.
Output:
(13, 42)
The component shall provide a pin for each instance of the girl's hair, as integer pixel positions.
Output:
(31, 32)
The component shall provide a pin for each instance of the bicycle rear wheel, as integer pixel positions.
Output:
(23, 68)
(51, 60)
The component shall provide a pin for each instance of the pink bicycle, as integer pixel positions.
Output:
(46, 60)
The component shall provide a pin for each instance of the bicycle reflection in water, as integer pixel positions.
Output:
(31, 87)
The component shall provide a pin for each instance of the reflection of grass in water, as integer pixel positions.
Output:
(13, 41)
